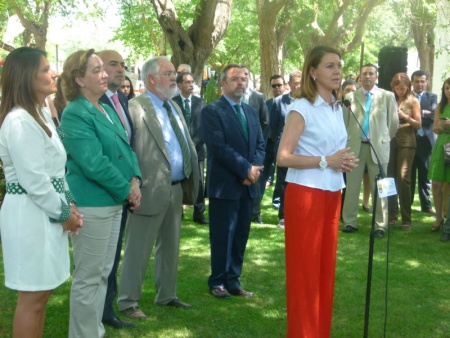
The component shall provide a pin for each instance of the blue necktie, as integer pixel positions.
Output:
(365, 125)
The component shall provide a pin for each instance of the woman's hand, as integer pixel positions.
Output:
(75, 221)
(134, 198)
(343, 160)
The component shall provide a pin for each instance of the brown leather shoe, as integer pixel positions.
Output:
(179, 304)
(429, 211)
(134, 313)
(220, 292)
(241, 292)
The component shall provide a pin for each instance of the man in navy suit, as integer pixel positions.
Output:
(278, 113)
(191, 107)
(425, 140)
(114, 66)
(235, 147)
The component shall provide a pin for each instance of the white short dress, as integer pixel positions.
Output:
(35, 249)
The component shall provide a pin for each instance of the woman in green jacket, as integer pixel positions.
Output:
(103, 173)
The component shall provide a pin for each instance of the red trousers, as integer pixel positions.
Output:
(311, 228)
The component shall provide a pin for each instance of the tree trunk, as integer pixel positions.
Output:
(271, 43)
(37, 26)
(423, 22)
(6, 47)
(195, 45)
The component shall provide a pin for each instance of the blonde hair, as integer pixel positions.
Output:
(75, 66)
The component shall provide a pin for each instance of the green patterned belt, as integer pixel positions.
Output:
(16, 188)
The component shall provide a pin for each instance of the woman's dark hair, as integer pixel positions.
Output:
(131, 94)
(18, 83)
(444, 100)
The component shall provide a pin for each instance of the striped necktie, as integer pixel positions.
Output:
(187, 164)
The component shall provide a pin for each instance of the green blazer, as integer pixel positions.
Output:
(100, 161)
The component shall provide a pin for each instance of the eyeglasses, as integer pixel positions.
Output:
(170, 74)
(277, 85)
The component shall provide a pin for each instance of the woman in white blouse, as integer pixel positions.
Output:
(313, 148)
(38, 210)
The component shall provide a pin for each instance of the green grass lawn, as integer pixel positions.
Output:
(418, 287)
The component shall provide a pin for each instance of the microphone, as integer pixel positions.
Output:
(348, 105)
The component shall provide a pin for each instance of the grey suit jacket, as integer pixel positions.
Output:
(257, 102)
(383, 122)
(153, 159)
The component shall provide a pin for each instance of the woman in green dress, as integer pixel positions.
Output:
(439, 172)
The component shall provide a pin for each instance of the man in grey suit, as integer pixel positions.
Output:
(191, 106)
(425, 140)
(169, 168)
(376, 111)
(257, 102)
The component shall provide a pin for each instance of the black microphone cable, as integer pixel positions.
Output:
(382, 175)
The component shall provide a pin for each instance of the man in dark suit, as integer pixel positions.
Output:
(425, 140)
(257, 102)
(192, 106)
(114, 66)
(235, 153)
(277, 115)
(277, 84)
(169, 169)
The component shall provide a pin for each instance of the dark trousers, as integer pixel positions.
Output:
(269, 168)
(229, 228)
(111, 291)
(199, 206)
(280, 186)
(420, 166)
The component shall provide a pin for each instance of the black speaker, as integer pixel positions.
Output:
(391, 60)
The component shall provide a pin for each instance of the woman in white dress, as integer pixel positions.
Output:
(38, 210)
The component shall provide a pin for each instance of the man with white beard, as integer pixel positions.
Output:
(169, 170)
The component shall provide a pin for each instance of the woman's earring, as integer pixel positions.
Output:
(314, 79)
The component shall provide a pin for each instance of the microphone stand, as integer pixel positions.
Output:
(380, 175)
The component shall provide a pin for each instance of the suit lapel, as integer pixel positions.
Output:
(359, 100)
(376, 99)
(151, 121)
(229, 110)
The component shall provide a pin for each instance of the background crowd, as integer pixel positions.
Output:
(98, 162)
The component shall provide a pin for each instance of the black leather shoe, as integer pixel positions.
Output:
(117, 323)
(445, 237)
(379, 233)
(201, 220)
(179, 304)
(349, 229)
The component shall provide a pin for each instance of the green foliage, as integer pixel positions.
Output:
(211, 91)
(241, 42)
(141, 31)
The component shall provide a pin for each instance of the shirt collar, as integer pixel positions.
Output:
(320, 101)
(109, 93)
(155, 99)
(372, 91)
(231, 102)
